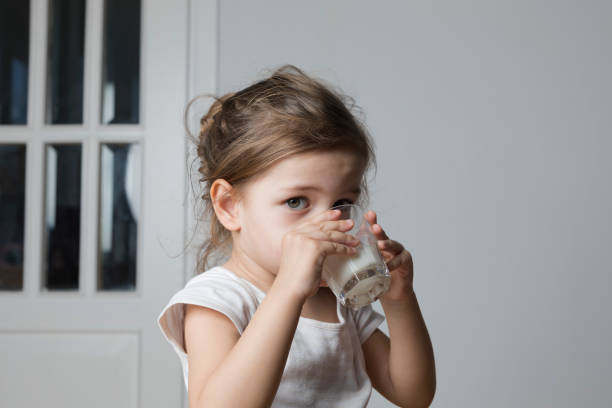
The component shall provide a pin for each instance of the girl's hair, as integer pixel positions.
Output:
(245, 132)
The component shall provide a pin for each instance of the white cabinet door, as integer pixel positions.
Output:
(92, 240)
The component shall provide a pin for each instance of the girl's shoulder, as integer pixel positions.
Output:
(217, 275)
(221, 281)
(218, 289)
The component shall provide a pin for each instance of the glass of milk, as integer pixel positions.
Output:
(359, 279)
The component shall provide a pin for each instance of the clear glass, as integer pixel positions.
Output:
(12, 207)
(14, 61)
(120, 187)
(359, 279)
(121, 62)
(62, 216)
(66, 39)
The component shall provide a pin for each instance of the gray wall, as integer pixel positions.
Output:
(492, 123)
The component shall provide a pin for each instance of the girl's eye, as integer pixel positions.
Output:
(343, 201)
(294, 202)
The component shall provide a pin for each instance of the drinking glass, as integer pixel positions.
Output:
(358, 279)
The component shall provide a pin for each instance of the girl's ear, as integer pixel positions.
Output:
(225, 204)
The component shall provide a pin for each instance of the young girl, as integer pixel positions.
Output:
(262, 329)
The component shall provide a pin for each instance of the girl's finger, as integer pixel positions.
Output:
(324, 216)
(376, 229)
(342, 225)
(403, 257)
(334, 236)
(331, 225)
(378, 232)
(332, 248)
(370, 216)
(390, 246)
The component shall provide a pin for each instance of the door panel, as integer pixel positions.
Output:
(69, 368)
(98, 248)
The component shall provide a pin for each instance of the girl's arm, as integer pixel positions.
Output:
(229, 370)
(402, 368)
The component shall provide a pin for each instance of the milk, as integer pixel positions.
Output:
(359, 279)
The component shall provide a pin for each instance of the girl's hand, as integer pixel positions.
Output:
(304, 249)
(398, 260)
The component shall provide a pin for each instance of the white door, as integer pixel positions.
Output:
(93, 196)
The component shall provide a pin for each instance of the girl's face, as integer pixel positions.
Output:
(286, 194)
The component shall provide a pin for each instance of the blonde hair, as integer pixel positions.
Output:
(245, 132)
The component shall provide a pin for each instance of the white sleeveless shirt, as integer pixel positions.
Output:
(325, 366)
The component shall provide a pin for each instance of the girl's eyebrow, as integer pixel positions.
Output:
(356, 190)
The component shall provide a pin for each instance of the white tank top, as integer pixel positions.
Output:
(325, 366)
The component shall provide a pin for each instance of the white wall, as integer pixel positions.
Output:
(492, 121)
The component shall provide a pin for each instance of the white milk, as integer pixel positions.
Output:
(358, 279)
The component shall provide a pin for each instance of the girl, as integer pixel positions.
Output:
(262, 329)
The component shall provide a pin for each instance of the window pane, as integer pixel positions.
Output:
(62, 216)
(65, 61)
(121, 62)
(118, 218)
(12, 205)
(14, 60)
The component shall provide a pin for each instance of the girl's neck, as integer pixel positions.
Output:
(251, 272)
